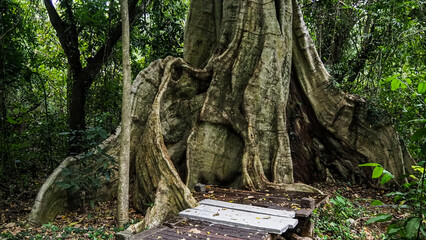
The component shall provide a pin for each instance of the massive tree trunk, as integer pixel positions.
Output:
(236, 125)
(250, 105)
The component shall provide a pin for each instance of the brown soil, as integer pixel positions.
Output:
(99, 219)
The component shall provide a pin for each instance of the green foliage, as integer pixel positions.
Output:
(375, 49)
(51, 231)
(333, 221)
(92, 169)
(379, 218)
(411, 199)
(159, 33)
(379, 171)
(30, 101)
(35, 85)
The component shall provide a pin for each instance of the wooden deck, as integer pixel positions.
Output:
(239, 214)
(273, 199)
(242, 216)
(182, 228)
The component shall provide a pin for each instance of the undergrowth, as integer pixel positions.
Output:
(340, 219)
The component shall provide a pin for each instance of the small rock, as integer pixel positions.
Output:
(200, 188)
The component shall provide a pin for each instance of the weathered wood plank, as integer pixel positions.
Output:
(226, 216)
(248, 208)
(189, 229)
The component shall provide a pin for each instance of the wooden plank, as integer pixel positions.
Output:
(231, 217)
(149, 232)
(249, 208)
(189, 229)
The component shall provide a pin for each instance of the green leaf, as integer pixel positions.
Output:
(393, 228)
(64, 185)
(376, 203)
(423, 148)
(103, 133)
(421, 88)
(412, 227)
(89, 153)
(11, 120)
(419, 134)
(387, 176)
(422, 230)
(377, 172)
(395, 84)
(369, 165)
(418, 121)
(379, 218)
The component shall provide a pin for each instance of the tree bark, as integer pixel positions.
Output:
(124, 161)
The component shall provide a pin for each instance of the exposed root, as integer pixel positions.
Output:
(157, 180)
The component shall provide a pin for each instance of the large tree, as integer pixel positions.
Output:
(83, 68)
(250, 105)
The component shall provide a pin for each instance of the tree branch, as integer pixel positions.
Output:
(94, 64)
(68, 40)
(9, 29)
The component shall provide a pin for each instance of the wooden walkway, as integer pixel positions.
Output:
(239, 214)
(242, 216)
(183, 228)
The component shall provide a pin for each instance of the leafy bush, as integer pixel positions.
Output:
(335, 220)
(411, 198)
(51, 231)
(92, 168)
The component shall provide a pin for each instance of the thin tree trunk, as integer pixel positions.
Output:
(124, 161)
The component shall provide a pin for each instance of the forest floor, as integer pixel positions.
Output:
(97, 221)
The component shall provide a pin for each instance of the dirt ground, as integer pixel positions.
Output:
(97, 222)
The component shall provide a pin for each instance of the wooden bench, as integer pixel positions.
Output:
(242, 216)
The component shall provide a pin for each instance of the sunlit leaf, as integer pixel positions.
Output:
(421, 88)
(386, 178)
(377, 172)
(369, 165)
(418, 168)
(395, 84)
(376, 203)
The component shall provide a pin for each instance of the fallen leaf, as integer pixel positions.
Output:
(194, 230)
(72, 224)
(10, 225)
